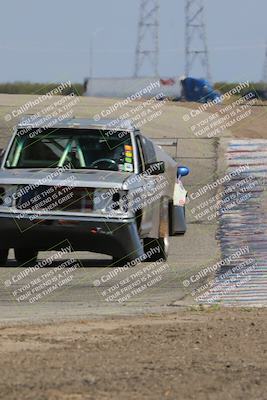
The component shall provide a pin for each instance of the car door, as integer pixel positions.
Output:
(150, 207)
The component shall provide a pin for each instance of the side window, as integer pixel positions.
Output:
(148, 149)
(141, 161)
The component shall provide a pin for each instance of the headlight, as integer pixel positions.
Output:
(6, 195)
(111, 201)
(119, 202)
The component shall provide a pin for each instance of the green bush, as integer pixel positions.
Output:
(38, 88)
(43, 88)
(224, 87)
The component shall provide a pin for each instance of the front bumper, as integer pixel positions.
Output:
(116, 237)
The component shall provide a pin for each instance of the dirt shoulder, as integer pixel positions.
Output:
(208, 354)
(253, 126)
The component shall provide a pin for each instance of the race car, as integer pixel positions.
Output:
(102, 187)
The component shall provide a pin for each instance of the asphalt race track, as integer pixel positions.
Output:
(87, 290)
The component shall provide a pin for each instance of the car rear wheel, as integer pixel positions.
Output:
(26, 255)
(3, 256)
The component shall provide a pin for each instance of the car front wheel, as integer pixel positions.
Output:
(156, 249)
(26, 255)
(3, 256)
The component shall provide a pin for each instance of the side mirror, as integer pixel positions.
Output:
(182, 171)
(155, 168)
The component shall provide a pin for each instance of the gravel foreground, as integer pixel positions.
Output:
(197, 353)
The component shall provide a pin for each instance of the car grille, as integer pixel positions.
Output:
(54, 198)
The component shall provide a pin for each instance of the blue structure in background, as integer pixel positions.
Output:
(199, 90)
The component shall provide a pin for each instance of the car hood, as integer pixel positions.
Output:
(62, 177)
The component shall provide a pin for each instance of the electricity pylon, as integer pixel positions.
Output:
(147, 48)
(196, 48)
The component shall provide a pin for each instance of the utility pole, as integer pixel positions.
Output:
(147, 48)
(196, 48)
(264, 75)
(92, 42)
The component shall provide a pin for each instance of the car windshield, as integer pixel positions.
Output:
(79, 148)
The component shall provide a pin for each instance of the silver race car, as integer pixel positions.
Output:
(102, 188)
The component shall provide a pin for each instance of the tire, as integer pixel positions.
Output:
(26, 255)
(151, 244)
(3, 256)
(177, 217)
(120, 262)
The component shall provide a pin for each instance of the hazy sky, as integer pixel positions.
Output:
(49, 40)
